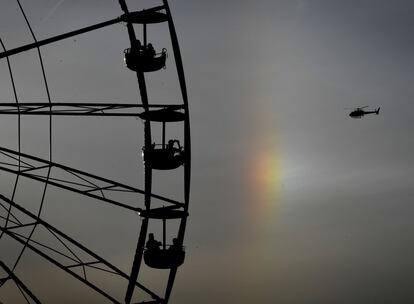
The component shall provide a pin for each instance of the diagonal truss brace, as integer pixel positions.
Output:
(94, 261)
(79, 109)
(26, 292)
(79, 182)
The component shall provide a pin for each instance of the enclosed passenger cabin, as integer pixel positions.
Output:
(156, 254)
(142, 60)
(164, 258)
(357, 114)
(164, 157)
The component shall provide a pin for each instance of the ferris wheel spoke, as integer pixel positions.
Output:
(74, 180)
(9, 220)
(129, 17)
(60, 37)
(69, 255)
(31, 240)
(93, 258)
(66, 253)
(81, 109)
(10, 217)
(26, 292)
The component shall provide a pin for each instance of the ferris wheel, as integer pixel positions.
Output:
(21, 226)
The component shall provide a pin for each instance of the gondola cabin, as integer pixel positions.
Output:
(164, 258)
(156, 254)
(140, 60)
(164, 157)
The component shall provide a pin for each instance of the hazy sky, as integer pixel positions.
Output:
(292, 201)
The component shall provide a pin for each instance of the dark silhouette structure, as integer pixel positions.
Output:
(141, 58)
(145, 60)
(164, 157)
(20, 285)
(359, 112)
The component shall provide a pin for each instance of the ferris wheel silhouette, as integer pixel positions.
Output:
(22, 226)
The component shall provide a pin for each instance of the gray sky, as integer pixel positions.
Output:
(292, 201)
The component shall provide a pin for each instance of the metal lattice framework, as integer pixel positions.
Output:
(76, 259)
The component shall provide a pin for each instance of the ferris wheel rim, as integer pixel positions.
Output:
(148, 172)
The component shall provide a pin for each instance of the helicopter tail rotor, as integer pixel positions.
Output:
(377, 111)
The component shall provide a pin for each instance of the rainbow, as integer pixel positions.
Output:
(264, 177)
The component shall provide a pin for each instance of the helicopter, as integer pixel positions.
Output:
(359, 112)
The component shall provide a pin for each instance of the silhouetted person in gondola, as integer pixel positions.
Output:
(150, 50)
(170, 145)
(171, 148)
(175, 247)
(137, 46)
(152, 244)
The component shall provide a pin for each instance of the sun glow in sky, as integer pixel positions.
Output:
(265, 176)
